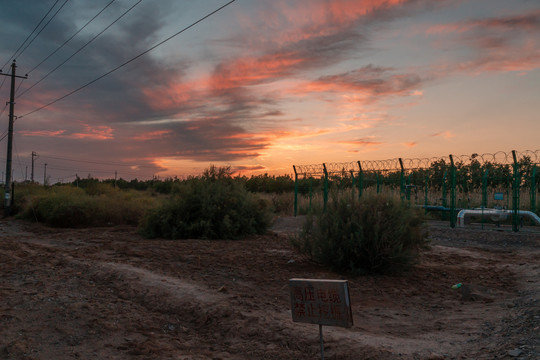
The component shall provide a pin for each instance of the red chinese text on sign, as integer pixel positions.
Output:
(323, 302)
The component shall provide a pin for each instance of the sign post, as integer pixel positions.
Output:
(322, 302)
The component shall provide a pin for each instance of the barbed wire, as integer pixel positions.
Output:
(389, 165)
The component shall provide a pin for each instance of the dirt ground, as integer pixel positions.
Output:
(107, 293)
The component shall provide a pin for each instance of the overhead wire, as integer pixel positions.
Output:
(72, 36)
(129, 61)
(92, 162)
(29, 35)
(80, 49)
(44, 26)
(4, 134)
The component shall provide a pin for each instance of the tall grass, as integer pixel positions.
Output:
(69, 206)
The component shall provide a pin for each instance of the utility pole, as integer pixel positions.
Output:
(8, 200)
(45, 175)
(34, 155)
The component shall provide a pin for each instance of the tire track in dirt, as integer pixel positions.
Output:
(105, 293)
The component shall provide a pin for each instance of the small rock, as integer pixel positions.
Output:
(222, 289)
(515, 352)
(290, 261)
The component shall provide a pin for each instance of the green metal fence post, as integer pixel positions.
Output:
(295, 191)
(325, 194)
(444, 194)
(426, 188)
(310, 192)
(452, 193)
(533, 189)
(515, 194)
(408, 187)
(401, 180)
(352, 184)
(508, 187)
(484, 194)
(360, 180)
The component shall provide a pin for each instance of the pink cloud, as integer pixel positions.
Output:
(499, 44)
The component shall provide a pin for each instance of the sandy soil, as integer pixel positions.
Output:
(107, 293)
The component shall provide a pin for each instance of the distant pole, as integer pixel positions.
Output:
(45, 175)
(26, 173)
(34, 155)
(115, 175)
(8, 200)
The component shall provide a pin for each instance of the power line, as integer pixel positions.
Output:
(4, 109)
(93, 162)
(129, 61)
(72, 36)
(19, 85)
(44, 26)
(28, 37)
(80, 49)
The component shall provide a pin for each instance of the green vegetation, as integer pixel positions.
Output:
(377, 234)
(214, 206)
(68, 206)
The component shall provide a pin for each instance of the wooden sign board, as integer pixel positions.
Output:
(323, 302)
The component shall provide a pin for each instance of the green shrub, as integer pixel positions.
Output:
(214, 206)
(376, 234)
(68, 206)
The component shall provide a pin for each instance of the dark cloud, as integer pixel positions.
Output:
(153, 108)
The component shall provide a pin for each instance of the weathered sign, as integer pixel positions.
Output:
(323, 302)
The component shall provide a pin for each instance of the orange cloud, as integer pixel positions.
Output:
(251, 71)
(445, 134)
(96, 133)
(168, 96)
(410, 144)
(44, 133)
(152, 135)
(368, 84)
(363, 142)
(321, 33)
(243, 169)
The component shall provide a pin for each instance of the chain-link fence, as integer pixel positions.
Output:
(506, 181)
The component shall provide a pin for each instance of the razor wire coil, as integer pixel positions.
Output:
(391, 165)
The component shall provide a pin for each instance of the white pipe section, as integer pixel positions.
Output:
(494, 215)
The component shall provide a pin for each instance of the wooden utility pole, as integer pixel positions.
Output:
(8, 199)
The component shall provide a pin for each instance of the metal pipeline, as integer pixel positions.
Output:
(494, 215)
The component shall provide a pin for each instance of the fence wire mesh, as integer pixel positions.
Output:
(447, 183)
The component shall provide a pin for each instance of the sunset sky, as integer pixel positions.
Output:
(262, 85)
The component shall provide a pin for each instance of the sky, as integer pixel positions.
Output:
(261, 86)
